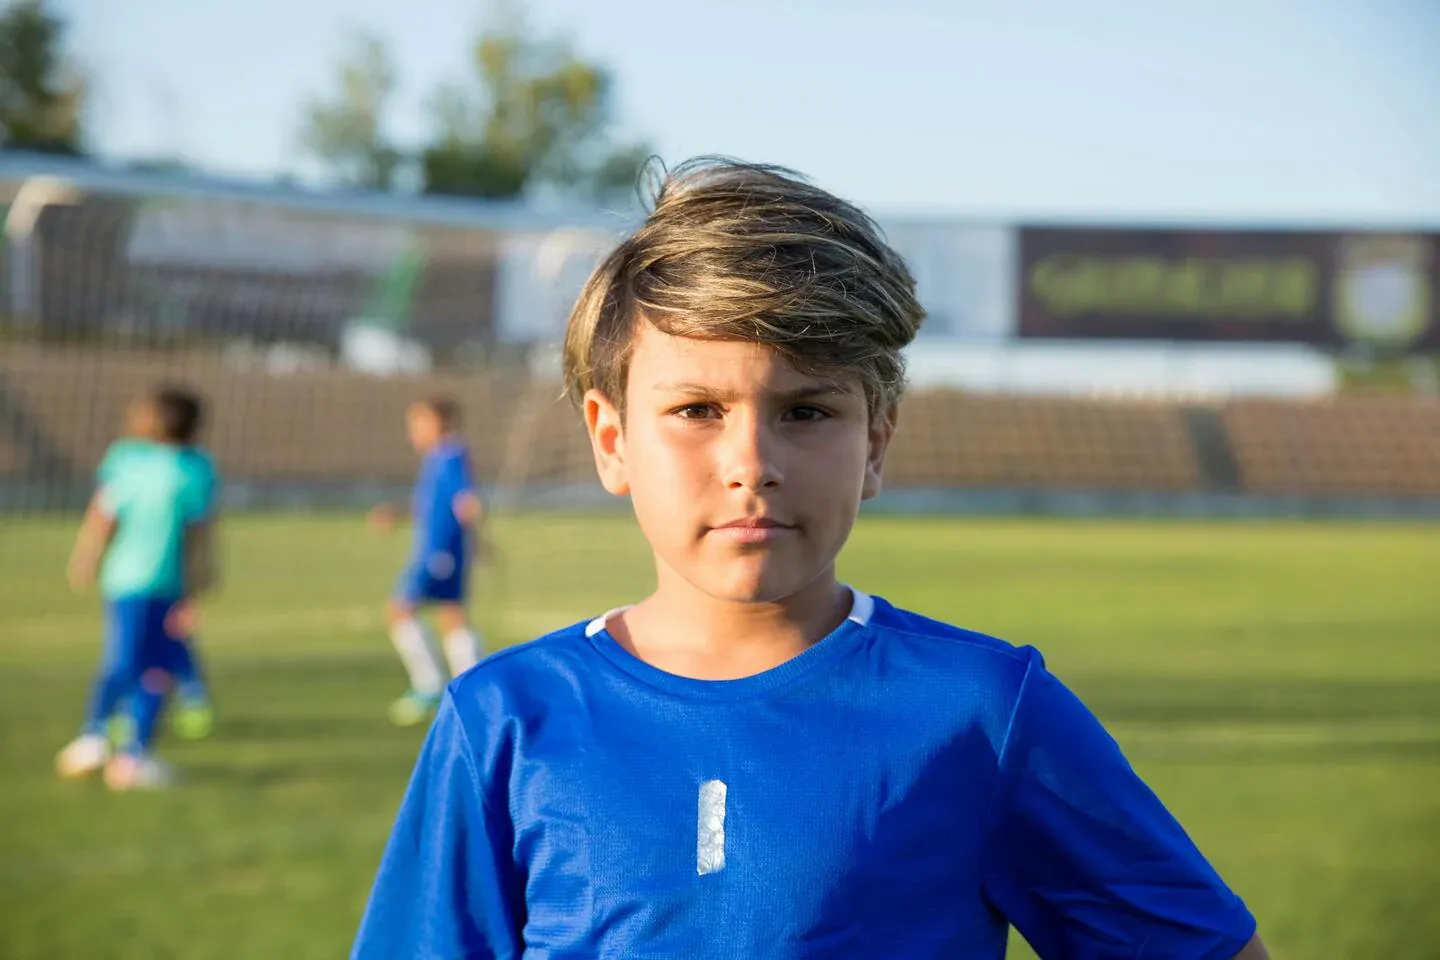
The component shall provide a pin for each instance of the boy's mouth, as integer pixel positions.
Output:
(752, 529)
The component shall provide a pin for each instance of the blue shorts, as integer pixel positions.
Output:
(437, 579)
(135, 635)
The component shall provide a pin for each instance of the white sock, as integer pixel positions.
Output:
(462, 650)
(418, 655)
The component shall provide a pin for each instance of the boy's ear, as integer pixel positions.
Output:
(882, 428)
(607, 442)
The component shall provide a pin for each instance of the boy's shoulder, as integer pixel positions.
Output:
(929, 661)
(946, 640)
(451, 448)
(199, 464)
(458, 457)
(444, 458)
(525, 678)
(197, 457)
(125, 446)
(123, 452)
(139, 463)
(562, 648)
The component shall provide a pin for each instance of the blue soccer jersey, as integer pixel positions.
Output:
(903, 788)
(442, 542)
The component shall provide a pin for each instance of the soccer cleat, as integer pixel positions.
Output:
(129, 772)
(84, 755)
(413, 709)
(193, 720)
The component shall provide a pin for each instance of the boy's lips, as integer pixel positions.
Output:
(753, 522)
(752, 529)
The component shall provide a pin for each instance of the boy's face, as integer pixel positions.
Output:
(422, 427)
(142, 420)
(745, 474)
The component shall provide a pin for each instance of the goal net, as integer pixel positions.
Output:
(308, 328)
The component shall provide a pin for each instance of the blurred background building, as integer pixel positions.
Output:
(1064, 367)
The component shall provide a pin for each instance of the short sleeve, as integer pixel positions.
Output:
(464, 475)
(447, 887)
(110, 464)
(107, 500)
(1082, 857)
(114, 480)
(454, 480)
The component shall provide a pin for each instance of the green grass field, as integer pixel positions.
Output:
(1278, 685)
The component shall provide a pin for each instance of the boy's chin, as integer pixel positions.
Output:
(763, 585)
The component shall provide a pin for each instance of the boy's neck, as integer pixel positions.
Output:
(684, 631)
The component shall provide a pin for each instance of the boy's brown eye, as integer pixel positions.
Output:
(695, 411)
(807, 414)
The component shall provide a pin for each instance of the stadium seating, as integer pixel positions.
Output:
(331, 427)
(949, 439)
(1361, 445)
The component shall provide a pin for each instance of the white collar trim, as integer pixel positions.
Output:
(862, 608)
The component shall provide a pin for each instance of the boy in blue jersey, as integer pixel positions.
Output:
(144, 535)
(757, 760)
(446, 510)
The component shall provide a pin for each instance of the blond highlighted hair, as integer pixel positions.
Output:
(749, 252)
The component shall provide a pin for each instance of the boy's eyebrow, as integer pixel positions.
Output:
(807, 392)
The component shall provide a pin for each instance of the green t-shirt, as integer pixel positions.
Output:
(153, 492)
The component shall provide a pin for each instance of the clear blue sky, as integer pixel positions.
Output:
(1218, 108)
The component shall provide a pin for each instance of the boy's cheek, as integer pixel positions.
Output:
(664, 507)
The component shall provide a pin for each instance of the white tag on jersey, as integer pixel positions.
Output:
(710, 828)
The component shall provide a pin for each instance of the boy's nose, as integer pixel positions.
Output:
(750, 458)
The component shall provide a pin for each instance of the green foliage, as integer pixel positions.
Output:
(346, 132)
(41, 95)
(533, 115)
(1276, 683)
(537, 114)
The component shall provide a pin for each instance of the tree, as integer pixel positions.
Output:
(41, 95)
(537, 116)
(347, 131)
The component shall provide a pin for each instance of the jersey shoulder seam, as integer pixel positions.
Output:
(949, 633)
(573, 632)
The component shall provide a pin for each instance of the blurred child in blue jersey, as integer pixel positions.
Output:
(758, 760)
(446, 511)
(146, 534)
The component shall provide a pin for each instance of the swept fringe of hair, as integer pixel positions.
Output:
(751, 252)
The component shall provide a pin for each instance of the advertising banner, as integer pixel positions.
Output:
(1327, 289)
